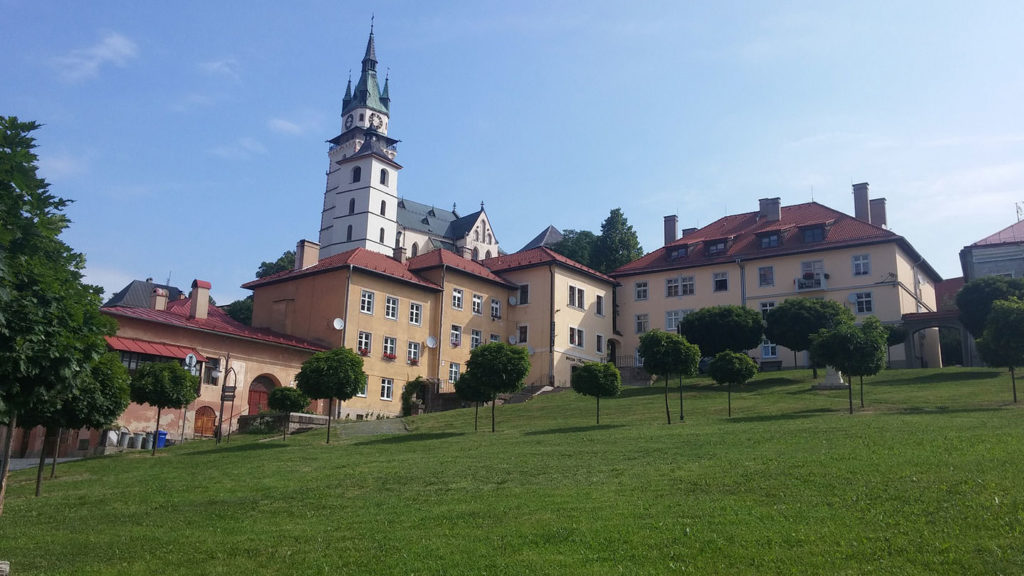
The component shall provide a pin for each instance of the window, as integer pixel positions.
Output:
(640, 290)
(861, 264)
(456, 335)
(717, 247)
(362, 391)
(383, 207)
(366, 302)
(575, 337)
(414, 353)
(687, 285)
(816, 234)
(599, 344)
(599, 305)
(351, 205)
(524, 294)
(386, 386)
(365, 342)
(766, 307)
(672, 288)
(211, 365)
(675, 253)
(523, 333)
(382, 235)
(643, 323)
(576, 297)
(476, 338)
(453, 373)
(721, 281)
(768, 349)
(415, 248)
(415, 313)
(391, 307)
(495, 338)
(357, 174)
(457, 298)
(673, 318)
(863, 302)
(348, 234)
(476, 254)
(812, 275)
(766, 276)
(495, 309)
(769, 240)
(384, 176)
(478, 304)
(390, 347)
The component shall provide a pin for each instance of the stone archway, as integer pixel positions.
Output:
(914, 323)
(259, 393)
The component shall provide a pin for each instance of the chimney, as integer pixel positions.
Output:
(671, 225)
(686, 232)
(399, 253)
(878, 212)
(200, 303)
(307, 253)
(861, 204)
(770, 209)
(158, 299)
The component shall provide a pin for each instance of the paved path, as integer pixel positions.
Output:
(23, 463)
(372, 427)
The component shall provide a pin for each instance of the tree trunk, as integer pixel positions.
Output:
(598, 410)
(156, 431)
(476, 418)
(284, 429)
(56, 449)
(681, 417)
(494, 401)
(668, 415)
(5, 462)
(850, 388)
(794, 359)
(730, 399)
(330, 414)
(861, 391)
(42, 462)
(1013, 379)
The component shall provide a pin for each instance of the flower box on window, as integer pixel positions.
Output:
(414, 362)
(364, 352)
(455, 343)
(389, 356)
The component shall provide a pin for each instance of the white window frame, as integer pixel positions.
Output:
(415, 313)
(413, 352)
(454, 371)
(769, 349)
(387, 388)
(391, 307)
(640, 291)
(766, 307)
(495, 309)
(599, 305)
(864, 303)
(577, 297)
(455, 335)
(687, 285)
(524, 294)
(642, 323)
(367, 339)
(715, 277)
(761, 276)
(523, 333)
(672, 287)
(599, 343)
(366, 302)
(476, 338)
(457, 298)
(390, 345)
(366, 384)
(673, 318)
(495, 337)
(478, 304)
(576, 337)
(860, 264)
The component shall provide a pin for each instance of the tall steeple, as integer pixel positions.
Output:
(366, 93)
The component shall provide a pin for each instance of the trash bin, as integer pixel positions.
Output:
(122, 440)
(147, 441)
(161, 438)
(136, 440)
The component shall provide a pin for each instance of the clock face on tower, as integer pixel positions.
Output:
(348, 121)
(376, 122)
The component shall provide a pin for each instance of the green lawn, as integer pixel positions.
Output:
(928, 479)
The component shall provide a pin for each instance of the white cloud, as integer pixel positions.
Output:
(225, 67)
(110, 279)
(285, 126)
(57, 166)
(85, 63)
(242, 149)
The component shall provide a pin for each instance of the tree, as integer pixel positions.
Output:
(240, 310)
(597, 379)
(1002, 342)
(617, 245)
(470, 389)
(499, 368)
(793, 322)
(164, 385)
(285, 262)
(331, 374)
(976, 297)
(664, 354)
(730, 368)
(50, 326)
(853, 350)
(718, 328)
(579, 245)
(287, 399)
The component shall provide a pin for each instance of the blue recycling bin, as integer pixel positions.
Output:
(161, 438)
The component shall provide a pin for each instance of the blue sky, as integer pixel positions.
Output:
(191, 136)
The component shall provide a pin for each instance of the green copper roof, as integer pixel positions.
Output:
(367, 93)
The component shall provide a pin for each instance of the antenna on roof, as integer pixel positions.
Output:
(168, 283)
(1020, 211)
(812, 192)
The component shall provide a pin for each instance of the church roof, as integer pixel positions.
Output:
(426, 218)
(367, 93)
(138, 292)
(549, 236)
(1013, 234)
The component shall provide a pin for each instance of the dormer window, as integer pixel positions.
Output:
(813, 234)
(677, 252)
(770, 240)
(717, 247)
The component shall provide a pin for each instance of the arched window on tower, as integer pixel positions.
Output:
(357, 174)
(383, 207)
(384, 176)
(489, 237)
(381, 235)
(476, 254)
(487, 254)
(415, 248)
(348, 235)
(351, 205)
(476, 234)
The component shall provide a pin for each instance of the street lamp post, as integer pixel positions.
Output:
(227, 394)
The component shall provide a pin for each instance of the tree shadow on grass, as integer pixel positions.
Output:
(940, 378)
(572, 429)
(405, 438)
(788, 416)
(940, 410)
(254, 447)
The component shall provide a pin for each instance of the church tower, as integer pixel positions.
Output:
(361, 199)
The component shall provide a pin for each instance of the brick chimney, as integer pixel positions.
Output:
(158, 299)
(399, 252)
(200, 300)
(769, 209)
(307, 253)
(686, 232)
(671, 226)
(878, 212)
(861, 202)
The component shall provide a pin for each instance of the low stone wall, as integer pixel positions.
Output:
(296, 421)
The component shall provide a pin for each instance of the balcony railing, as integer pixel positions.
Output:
(812, 282)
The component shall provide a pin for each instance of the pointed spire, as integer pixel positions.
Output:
(348, 92)
(371, 52)
(385, 98)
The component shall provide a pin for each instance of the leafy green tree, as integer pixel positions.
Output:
(664, 354)
(500, 368)
(617, 245)
(718, 328)
(469, 389)
(287, 399)
(240, 310)
(579, 245)
(853, 350)
(976, 297)
(409, 393)
(285, 262)
(597, 379)
(793, 322)
(730, 368)
(164, 385)
(50, 326)
(1002, 342)
(331, 374)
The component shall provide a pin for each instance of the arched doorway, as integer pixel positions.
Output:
(259, 393)
(206, 421)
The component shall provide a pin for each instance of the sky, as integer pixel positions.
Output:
(191, 136)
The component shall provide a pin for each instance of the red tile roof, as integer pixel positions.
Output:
(217, 321)
(537, 257)
(151, 348)
(1013, 234)
(744, 231)
(945, 293)
(438, 258)
(360, 258)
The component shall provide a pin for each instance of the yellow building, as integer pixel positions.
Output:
(759, 259)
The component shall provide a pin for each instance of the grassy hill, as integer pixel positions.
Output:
(928, 478)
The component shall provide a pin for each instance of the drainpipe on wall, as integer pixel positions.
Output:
(743, 282)
(348, 288)
(551, 339)
(440, 324)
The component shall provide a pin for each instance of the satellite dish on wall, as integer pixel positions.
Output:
(512, 301)
(852, 298)
(431, 342)
(530, 350)
(338, 323)
(512, 339)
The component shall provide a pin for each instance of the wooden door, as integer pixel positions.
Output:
(258, 398)
(206, 421)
